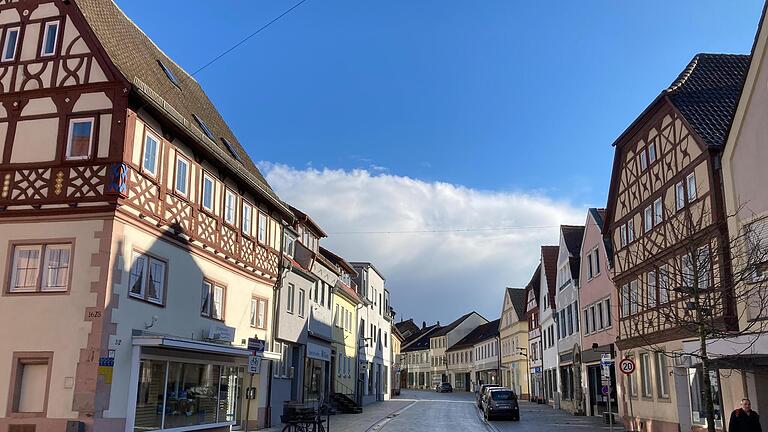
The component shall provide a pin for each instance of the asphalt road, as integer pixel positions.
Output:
(457, 412)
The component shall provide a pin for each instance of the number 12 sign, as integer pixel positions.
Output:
(627, 366)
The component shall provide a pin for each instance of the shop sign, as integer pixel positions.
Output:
(318, 352)
(221, 333)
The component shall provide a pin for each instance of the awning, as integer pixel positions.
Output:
(190, 345)
(738, 346)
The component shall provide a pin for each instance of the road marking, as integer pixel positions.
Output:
(380, 424)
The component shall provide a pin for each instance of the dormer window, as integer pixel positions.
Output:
(10, 44)
(231, 149)
(204, 127)
(169, 73)
(50, 37)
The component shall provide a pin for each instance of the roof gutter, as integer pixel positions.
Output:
(154, 99)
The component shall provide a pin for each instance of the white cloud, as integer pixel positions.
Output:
(431, 275)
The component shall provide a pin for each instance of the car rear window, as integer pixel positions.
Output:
(503, 395)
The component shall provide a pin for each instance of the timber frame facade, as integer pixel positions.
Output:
(113, 154)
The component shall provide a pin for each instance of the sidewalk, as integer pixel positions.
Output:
(371, 415)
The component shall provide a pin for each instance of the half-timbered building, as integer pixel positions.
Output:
(139, 242)
(534, 353)
(665, 194)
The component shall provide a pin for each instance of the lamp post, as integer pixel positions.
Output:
(524, 352)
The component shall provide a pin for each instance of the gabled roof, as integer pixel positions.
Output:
(364, 264)
(308, 221)
(445, 329)
(421, 341)
(598, 215)
(707, 91)
(535, 284)
(572, 235)
(407, 328)
(139, 60)
(480, 334)
(339, 261)
(549, 259)
(518, 299)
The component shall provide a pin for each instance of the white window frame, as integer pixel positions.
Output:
(690, 182)
(645, 375)
(631, 230)
(12, 287)
(44, 284)
(650, 286)
(180, 160)
(55, 38)
(302, 301)
(262, 228)
(158, 144)
(247, 218)
(651, 153)
(230, 207)
(290, 300)
(148, 261)
(623, 235)
(662, 375)
(207, 177)
(643, 160)
(679, 195)
(648, 218)
(658, 211)
(72, 123)
(15, 44)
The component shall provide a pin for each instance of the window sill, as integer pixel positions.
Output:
(26, 414)
(143, 300)
(218, 320)
(36, 293)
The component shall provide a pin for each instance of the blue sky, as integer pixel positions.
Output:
(501, 98)
(488, 94)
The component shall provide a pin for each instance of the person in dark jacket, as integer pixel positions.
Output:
(744, 419)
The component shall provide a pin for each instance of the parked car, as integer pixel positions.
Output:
(501, 403)
(444, 388)
(484, 394)
(480, 391)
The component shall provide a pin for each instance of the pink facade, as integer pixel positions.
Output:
(596, 285)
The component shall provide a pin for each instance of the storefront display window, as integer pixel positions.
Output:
(177, 394)
(698, 409)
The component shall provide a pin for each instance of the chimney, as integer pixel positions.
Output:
(423, 325)
(438, 323)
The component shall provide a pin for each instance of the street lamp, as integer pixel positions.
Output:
(524, 352)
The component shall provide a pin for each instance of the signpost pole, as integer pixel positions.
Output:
(610, 413)
(248, 407)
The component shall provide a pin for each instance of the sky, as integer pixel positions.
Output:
(443, 141)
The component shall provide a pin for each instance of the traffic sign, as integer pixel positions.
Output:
(256, 346)
(627, 366)
(606, 389)
(254, 364)
(605, 359)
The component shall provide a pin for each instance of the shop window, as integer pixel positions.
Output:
(698, 409)
(191, 394)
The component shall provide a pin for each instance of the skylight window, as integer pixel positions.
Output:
(204, 127)
(169, 74)
(231, 149)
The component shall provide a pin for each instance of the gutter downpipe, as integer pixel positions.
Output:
(284, 269)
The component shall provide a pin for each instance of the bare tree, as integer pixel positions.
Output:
(692, 278)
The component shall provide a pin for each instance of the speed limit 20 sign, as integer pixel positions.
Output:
(627, 366)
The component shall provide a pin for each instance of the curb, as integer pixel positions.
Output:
(383, 421)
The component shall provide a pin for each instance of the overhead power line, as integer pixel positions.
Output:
(447, 230)
(244, 40)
